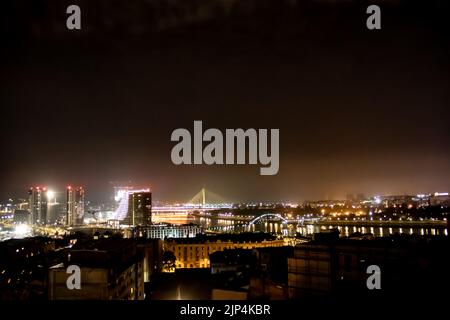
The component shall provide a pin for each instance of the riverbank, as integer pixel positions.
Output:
(388, 223)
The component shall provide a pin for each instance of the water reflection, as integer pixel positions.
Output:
(221, 225)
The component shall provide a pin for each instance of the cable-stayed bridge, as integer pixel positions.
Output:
(205, 199)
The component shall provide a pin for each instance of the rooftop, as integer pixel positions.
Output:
(228, 237)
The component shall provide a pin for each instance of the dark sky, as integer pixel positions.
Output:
(358, 110)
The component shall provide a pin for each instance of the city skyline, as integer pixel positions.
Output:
(110, 194)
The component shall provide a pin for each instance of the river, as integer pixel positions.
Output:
(379, 230)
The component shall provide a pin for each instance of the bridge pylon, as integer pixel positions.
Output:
(200, 197)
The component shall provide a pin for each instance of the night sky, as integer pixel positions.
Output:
(358, 110)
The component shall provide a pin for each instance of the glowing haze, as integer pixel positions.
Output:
(358, 110)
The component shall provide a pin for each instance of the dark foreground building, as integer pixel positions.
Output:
(109, 268)
(330, 267)
(23, 268)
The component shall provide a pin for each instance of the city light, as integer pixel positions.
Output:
(22, 230)
(50, 195)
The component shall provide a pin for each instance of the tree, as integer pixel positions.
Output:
(168, 261)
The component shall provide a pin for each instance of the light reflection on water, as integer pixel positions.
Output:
(305, 230)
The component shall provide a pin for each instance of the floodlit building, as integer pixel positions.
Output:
(164, 230)
(194, 252)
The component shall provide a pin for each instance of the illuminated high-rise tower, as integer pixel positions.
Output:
(139, 208)
(135, 208)
(38, 205)
(75, 206)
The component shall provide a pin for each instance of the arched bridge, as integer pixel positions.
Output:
(268, 215)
